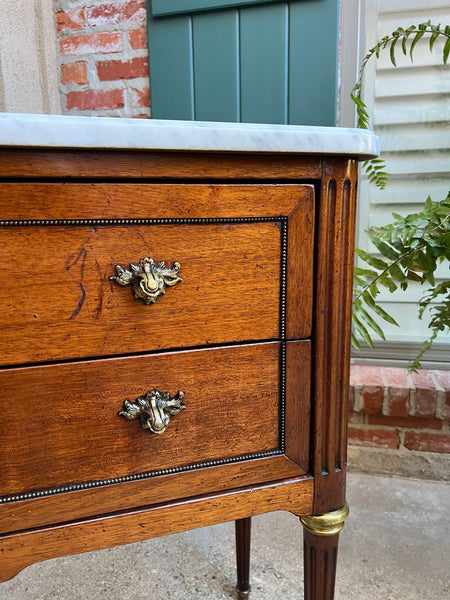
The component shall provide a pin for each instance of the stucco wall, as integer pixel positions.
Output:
(28, 61)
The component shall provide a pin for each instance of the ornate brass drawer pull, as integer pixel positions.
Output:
(154, 409)
(148, 278)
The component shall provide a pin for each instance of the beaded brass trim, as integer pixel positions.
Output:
(86, 485)
(96, 222)
(283, 220)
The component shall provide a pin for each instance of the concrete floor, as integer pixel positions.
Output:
(395, 546)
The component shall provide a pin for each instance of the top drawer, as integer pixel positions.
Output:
(245, 254)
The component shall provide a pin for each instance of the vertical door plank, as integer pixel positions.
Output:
(268, 63)
(263, 32)
(216, 67)
(171, 68)
(313, 51)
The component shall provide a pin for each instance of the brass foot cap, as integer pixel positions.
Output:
(243, 594)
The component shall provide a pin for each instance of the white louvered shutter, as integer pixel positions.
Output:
(410, 105)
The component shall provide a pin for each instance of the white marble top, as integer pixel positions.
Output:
(57, 131)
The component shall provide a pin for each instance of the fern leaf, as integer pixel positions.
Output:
(417, 37)
(362, 330)
(368, 273)
(385, 249)
(355, 342)
(446, 51)
(415, 364)
(392, 51)
(385, 315)
(397, 273)
(368, 299)
(404, 50)
(371, 260)
(434, 36)
(386, 280)
(372, 324)
(412, 275)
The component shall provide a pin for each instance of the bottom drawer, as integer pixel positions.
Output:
(61, 430)
(66, 454)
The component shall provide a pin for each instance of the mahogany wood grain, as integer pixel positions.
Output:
(78, 504)
(331, 340)
(65, 306)
(70, 164)
(298, 402)
(319, 558)
(22, 549)
(231, 272)
(69, 430)
(54, 201)
(60, 423)
(300, 288)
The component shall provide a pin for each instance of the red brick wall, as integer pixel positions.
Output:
(394, 410)
(103, 57)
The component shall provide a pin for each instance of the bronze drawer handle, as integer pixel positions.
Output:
(148, 278)
(154, 409)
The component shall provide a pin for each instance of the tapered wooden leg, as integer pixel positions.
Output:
(320, 544)
(243, 534)
(320, 555)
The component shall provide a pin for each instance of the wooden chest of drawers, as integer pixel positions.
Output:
(175, 348)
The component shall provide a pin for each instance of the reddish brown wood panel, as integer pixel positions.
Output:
(53, 201)
(331, 342)
(58, 301)
(298, 402)
(300, 274)
(59, 422)
(68, 430)
(22, 549)
(78, 504)
(116, 164)
(231, 272)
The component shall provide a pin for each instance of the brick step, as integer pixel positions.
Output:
(390, 408)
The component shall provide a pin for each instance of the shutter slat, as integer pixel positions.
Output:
(412, 117)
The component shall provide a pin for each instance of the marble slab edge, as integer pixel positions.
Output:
(58, 131)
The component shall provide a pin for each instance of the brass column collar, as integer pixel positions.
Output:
(327, 524)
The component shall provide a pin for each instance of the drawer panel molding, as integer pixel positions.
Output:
(98, 222)
(246, 253)
(86, 485)
(105, 446)
(244, 300)
(88, 445)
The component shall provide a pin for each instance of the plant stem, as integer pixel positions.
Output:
(395, 262)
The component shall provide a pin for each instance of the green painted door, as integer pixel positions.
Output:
(252, 61)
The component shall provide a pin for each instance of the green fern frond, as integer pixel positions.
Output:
(379, 176)
(410, 247)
